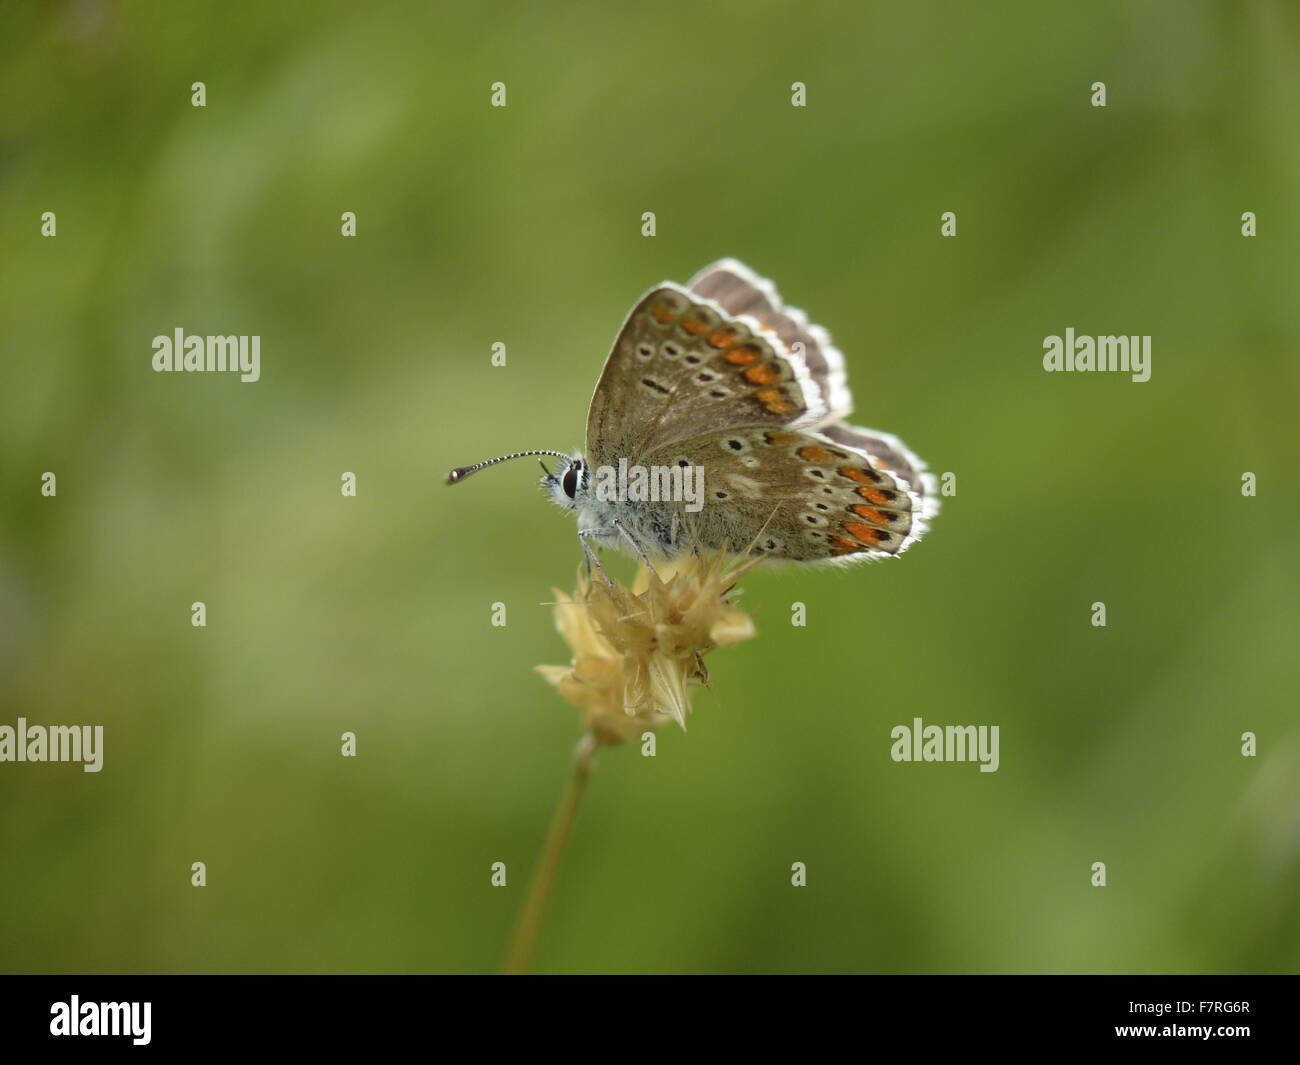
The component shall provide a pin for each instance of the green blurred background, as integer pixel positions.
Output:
(522, 225)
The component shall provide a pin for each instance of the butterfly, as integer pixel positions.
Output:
(718, 424)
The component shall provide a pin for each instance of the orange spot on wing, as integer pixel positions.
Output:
(865, 533)
(780, 438)
(772, 399)
(871, 514)
(874, 495)
(843, 545)
(813, 453)
(766, 374)
(861, 476)
(662, 312)
(720, 338)
(694, 326)
(740, 356)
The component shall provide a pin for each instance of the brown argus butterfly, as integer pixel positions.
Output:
(718, 423)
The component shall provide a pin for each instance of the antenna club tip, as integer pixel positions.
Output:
(454, 476)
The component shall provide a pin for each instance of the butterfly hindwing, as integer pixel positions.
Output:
(892, 455)
(797, 495)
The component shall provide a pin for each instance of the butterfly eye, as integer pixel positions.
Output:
(570, 481)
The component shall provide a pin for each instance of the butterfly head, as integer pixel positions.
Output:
(569, 483)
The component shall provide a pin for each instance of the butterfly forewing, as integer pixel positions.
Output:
(736, 289)
(682, 367)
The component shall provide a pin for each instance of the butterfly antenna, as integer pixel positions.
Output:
(461, 472)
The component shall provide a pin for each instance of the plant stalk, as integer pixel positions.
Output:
(528, 931)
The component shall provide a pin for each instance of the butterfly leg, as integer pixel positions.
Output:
(591, 555)
(635, 547)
